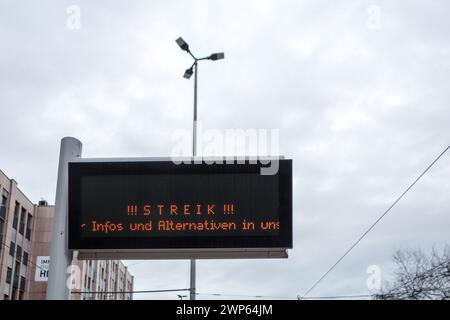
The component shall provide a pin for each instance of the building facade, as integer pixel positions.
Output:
(25, 245)
(104, 280)
(16, 231)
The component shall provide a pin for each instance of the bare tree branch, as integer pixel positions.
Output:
(418, 276)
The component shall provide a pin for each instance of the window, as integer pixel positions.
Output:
(23, 216)
(2, 223)
(5, 297)
(9, 275)
(19, 253)
(25, 258)
(16, 215)
(4, 199)
(22, 284)
(12, 248)
(16, 276)
(3, 208)
(29, 226)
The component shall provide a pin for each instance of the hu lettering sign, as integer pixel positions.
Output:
(42, 267)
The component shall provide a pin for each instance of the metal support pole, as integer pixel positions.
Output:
(192, 290)
(60, 257)
(194, 131)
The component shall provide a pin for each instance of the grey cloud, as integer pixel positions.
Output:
(360, 111)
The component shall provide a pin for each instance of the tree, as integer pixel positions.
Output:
(419, 276)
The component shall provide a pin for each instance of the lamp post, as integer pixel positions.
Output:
(188, 74)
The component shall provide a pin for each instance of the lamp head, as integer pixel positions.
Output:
(217, 56)
(188, 73)
(183, 44)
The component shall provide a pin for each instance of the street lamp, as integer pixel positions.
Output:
(193, 70)
(188, 74)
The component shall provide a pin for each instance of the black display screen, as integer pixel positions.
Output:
(162, 205)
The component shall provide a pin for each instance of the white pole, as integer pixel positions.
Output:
(60, 257)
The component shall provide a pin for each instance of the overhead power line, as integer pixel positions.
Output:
(375, 223)
(304, 297)
(128, 292)
(286, 297)
(203, 294)
(338, 297)
(226, 294)
(245, 296)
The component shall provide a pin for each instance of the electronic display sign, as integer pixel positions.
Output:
(132, 205)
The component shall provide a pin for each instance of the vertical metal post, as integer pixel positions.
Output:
(194, 131)
(192, 294)
(60, 257)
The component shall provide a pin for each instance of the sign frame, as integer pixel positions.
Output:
(204, 247)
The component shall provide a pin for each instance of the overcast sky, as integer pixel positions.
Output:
(358, 89)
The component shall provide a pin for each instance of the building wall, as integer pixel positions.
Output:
(129, 286)
(103, 280)
(28, 228)
(41, 246)
(95, 276)
(16, 231)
